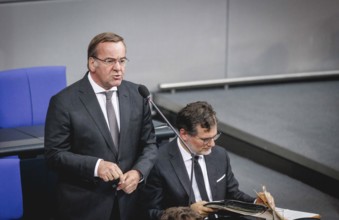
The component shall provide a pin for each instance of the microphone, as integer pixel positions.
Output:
(145, 94)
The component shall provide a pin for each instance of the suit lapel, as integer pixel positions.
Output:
(125, 111)
(179, 167)
(89, 99)
(212, 172)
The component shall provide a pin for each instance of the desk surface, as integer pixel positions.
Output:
(20, 140)
(30, 139)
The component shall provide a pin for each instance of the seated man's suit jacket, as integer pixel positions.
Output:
(168, 184)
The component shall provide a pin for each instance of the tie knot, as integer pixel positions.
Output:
(196, 158)
(109, 94)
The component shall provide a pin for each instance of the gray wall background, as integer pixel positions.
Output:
(176, 40)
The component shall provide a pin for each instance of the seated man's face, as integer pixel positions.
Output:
(203, 141)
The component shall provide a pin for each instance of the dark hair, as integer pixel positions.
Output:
(194, 114)
(180, 213)
(101, 38)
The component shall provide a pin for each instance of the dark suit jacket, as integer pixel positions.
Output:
(77, 135)
(168, 184)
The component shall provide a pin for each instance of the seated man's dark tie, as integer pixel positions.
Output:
(200, 179)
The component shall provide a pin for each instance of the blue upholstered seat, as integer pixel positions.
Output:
(11, 204)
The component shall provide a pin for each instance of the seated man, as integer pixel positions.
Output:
(170, 184)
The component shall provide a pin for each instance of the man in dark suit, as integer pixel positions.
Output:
(97, 177)
(169, 183)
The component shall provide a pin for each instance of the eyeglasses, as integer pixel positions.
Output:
(208, 140)
(112, 61)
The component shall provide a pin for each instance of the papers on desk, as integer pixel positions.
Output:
(294, 215)
(227, 207)
(279, 213)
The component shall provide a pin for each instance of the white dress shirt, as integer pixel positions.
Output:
(99, 92)
(188, 164)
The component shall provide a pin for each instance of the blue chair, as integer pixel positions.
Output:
(15, 99)
(11, 205)
(44, 83)
(25, 94)
(24, 98)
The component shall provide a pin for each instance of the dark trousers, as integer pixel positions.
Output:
(115, 212)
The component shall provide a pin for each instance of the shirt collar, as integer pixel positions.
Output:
(185, 155)
(98, 89)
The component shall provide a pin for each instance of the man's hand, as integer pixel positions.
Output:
(201, 209)
(260, 198)
(109, 171)
(131, 181)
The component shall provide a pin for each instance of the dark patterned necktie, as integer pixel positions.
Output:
(200, 179)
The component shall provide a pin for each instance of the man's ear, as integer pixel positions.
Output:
(183, 134)
(92, 65)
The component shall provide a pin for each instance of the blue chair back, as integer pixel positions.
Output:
(44, 83)
(15, 99)
(25, 94)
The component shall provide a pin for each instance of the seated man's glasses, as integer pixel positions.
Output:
(112, 61)
(208, 140)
